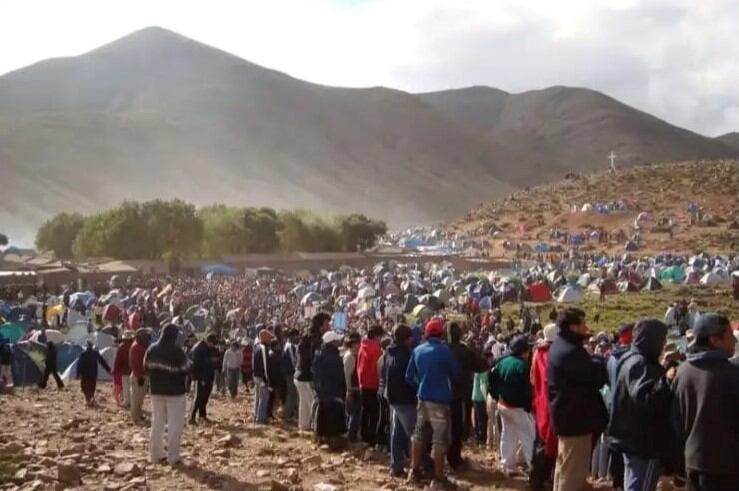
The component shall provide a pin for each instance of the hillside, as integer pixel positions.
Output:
(155, 114)
(730, 139)
(576, 206)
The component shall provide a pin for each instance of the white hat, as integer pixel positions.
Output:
(550, 332)
(332, 337)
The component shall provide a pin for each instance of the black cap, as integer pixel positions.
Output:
(519, 344)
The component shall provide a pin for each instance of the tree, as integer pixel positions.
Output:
(260, 229)
(58, 234)
(358, 231)
(3, 240)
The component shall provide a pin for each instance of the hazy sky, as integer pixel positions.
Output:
(675, 58)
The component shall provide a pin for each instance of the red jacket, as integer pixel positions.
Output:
(540, 404)
(369, 353)
(246, 363)
(136, 359)
(120, 364)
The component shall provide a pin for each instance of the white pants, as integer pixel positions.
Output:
(166, 411)
(305, 404)
(125, 390)
(518, 427)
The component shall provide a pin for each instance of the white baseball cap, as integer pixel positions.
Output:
(332, 337)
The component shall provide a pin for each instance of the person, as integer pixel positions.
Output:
(139, 380)
(166, 365)
(641, 398)
(330, 387)
(217, 352)
(479, 404)
(706, 405)
(232, 359)
(511, 388)
(6, 363)
(87, 371)
(289, 361)
(277, 385)
(50, 367)
(470, 363)
(545, 449)
(122, 368)
(203, 373)
(368, 377)
(309, 344)
(400, 396)
(263, 386)
(432, 371)
(246, 365)
(623, 345)
(574, 380)
(353, 401)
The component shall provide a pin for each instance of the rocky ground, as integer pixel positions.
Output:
(49, 440)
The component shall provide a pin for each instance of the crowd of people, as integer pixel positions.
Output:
(555, 402)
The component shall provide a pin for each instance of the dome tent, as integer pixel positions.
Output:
(569, 294)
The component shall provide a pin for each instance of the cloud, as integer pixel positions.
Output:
(673, 58)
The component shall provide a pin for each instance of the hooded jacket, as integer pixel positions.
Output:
(704, 411)
(574, 379)
(121, 365)
(167, 364)
(369, 353)
(432, 371)
(397, 390)
(136, 356)
(87, 364)
(328, 374)
(203, 357)
(469, 363)
(642, 396)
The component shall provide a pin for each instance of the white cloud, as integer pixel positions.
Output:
(674, 58)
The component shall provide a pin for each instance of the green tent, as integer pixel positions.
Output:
(13, 332)
(673, 274)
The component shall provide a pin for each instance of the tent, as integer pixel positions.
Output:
(66, 354)
(78, 333)
(411, 301)
(431, 302)
(217, 269)
(673, 274)
(28, 363)
(711, 279)
(486, 303)
(311, 298)
(12, 331)
(631, 246)
(569, 294)
(52, 335)
(102, 340)
(421, 311)
(112, 313)
(652, 284)
(107, 353)
(539, 292)
(627, 286)
(443, 295)
(366, 292)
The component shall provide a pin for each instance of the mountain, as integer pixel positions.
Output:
(730, 139)
(557, 130)
(155, 114)
(158, 115)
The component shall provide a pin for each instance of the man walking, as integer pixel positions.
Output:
(232, 359)
(87, 371)
(641, 398)
(50, 367)
(353, 402)
(139, 380)
(706, 406)
(575, 403)
(511, 388)
(432, 370)
(203, 373)
(166, 365)
(262, 382)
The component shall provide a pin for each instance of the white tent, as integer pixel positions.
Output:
(78, 334)
(569, 294)
(108, 354)
(52, 335)
(587, 207)
(711, 279)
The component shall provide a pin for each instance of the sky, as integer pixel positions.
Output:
(676, 59)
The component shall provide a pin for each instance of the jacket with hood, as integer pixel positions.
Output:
(432, 371)
(706, 412)
(328, 374)
(87, 364)
(203, 358)
(167, 364)
(612, 369)
(136, 356)
(307, 348)
(510, 383)
(369, 353)
(642, 396)
(574, 379)
(121, 365)
(469, 361)
(397, 391)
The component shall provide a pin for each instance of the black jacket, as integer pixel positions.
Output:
(87, 364)
(392, 376)
(328, 374)
(202, 362)
(642, 396)
(167, 364)
(706, 412)
(575, 379)
(50, 359)
(306, 352)
(470, 363)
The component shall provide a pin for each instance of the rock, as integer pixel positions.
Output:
(21, 476)
(278, 486)
(68, 473)
(262, 473)
(312, 460)
(230, 440)
(222, 452)
(104, 469)
(11, 448)
(127, 469)
(371, 455)
(323, 486)
(294, 476)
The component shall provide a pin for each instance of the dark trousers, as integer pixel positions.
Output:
(616, 467)
(383, 423)
(706, 481)
(454, 452)
(45, 379)
(202, 394)
(542, 467)
(353, 415)
(370, 415)
(481, 422)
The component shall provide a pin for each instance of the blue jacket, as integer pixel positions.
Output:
(612, 369)
(392, 376)
(433, 369)
(328, 374)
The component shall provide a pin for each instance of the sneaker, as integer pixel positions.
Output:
(192, 422)
(399, 473)
(442, 484)
(415, 477)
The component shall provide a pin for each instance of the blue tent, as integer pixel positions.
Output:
(66, 354)
(217, 269)
(28, 363)
(14, 314)
(541, 247)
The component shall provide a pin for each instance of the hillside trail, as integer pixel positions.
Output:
(49, 435)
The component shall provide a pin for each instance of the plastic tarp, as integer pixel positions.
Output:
(12, 331)
(217, 269)
(366, 292)
(78, 334)
(569, 294)
(107, 353)
(311, 298)
(421, 311)
(627, 286)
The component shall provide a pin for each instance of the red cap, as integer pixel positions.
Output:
(434, 327)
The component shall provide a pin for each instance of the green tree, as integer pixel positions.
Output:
(302, 230)
(58, 234)
(359, 232)
(223, 231)
(3, 239)
(260, 227)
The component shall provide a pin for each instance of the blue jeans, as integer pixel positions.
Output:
(261, 401)
(353, 416)
(640, 474)
(403, 426)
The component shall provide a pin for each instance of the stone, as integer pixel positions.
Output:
(222, 452)
(21, 476)
(230, 440)
(104, 469)
(68, 473)
(127, 469)
(278, 486)
(324, 486)
(262, 473)
(294, 476)
(312, 460)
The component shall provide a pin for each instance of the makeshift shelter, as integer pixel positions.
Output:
(711, 279)
(422, 311)
(443, 295)
(311, 298)
(627, 286)
(107, 353)
(672, 274)
(66, 354)
(28, 363)
(102, 340)
(217, 269)
(431, 302)
(366, 292)
(652, 284)
(631, 246)
(411, 301)
(539, 292)
(569, 294)
(78, 333)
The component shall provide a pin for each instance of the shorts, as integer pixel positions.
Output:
(437, 417)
